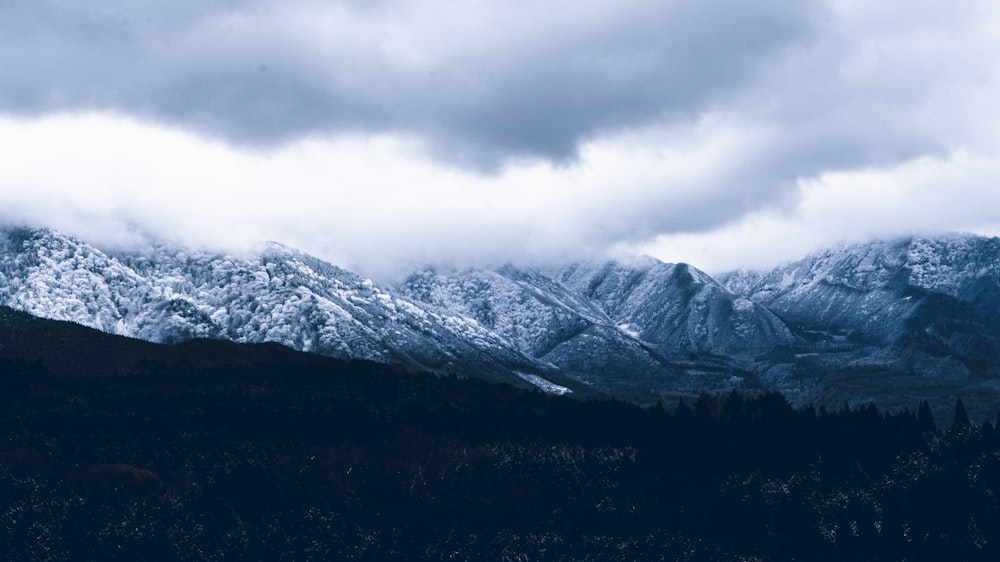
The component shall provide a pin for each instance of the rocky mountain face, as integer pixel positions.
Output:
(870, 289)
(913, 317)
(645, 331)
(892, 322)
(675, 306)
(938, 294)
(636, 330)
(280, 295)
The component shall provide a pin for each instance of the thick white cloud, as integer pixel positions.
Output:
(386, 134)
(924, 196)
(367, 201)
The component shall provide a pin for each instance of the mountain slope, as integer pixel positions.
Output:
(628, 328)
(892, 322)
(676, 307)
(170, 294)
(911, 291)
(120, 449)
(547, 322)
(891, 318)
(872, 286)
(674, 332)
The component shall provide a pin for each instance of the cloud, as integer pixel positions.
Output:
(382, 135)
(482, 83)
(927, 196)
(370, 202)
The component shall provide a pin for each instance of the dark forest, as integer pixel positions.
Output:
(117, 449)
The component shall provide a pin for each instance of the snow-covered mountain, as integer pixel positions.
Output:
(871, 289)
(676, 307)
(168, 294)
(641, 331)
(889, 293)
(913, 317)
(627, 328)
(895, 322)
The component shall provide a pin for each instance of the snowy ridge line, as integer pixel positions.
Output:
(641, 330)
(172, 294)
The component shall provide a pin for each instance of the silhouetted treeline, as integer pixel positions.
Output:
(211, 450)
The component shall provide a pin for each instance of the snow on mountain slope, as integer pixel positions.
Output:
(488, 323)
(624, 328)
(281, 295)
(872, 289)
(897, 321)
(54, 276)
(545, 320)
(924, 306)
(525, 308)
(676, 307)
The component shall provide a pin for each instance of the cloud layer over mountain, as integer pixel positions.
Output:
(720, 132)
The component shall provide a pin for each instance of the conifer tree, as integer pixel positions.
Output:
(925, 419)
(961, 416)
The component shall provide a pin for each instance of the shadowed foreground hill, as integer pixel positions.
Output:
(117, 449)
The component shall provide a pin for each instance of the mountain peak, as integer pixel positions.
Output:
(637, 328)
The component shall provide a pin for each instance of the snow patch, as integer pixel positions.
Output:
(743, 304)
(629, 329)
(544, 384)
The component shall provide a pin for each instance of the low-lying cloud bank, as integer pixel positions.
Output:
(389, 134)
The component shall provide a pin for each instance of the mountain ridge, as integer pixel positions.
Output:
(280, 295)
(890, 322)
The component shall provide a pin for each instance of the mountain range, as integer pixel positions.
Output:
(891, 322)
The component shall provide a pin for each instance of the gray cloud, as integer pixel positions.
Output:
(598, 124)
(482, 86)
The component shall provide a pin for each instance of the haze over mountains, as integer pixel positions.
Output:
(890, 322)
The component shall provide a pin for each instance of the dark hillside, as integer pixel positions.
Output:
(117, 449)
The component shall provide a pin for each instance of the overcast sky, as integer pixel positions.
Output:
(383, 134)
